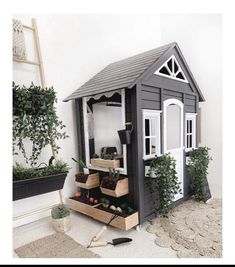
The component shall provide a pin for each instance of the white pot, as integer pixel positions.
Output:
(86, 171)
(61, 225)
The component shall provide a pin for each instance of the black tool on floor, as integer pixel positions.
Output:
(116, 241)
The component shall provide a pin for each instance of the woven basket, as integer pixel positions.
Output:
(61, 225)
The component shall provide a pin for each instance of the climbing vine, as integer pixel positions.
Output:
(163, 183)
(35, 119)
(198, 164)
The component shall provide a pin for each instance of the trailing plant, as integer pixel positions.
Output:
(164, 183)
(23, 173)
(60, 211)
(35, 119)
(198, 166)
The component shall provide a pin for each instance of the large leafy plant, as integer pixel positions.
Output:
(198, 164)
(35, 119)
(163, 183)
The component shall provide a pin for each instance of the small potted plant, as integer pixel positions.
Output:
(61, 218)
(85, 179)
(114, 184)
(83, 165)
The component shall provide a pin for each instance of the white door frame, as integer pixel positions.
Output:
(166, 103)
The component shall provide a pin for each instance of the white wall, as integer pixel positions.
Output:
(200, 39)
(75, 47)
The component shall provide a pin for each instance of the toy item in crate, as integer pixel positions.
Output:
(87, 181)
(114, 185)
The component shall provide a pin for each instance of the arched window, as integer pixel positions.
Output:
(172, 69)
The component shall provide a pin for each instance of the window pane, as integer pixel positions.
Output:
(190, 126)
(187, 142)
(190, 140)
(153, 146)
(153, 127)
(147, 146)
(164, 70)
(173, 121)
(180, 76)
(169, 64)
(147, 132)
(175, 67)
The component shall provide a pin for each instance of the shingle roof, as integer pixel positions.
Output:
(120, 74)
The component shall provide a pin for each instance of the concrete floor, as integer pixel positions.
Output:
(84, 228)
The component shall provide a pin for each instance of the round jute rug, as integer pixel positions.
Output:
(193, 229)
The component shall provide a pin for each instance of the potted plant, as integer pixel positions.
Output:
(114, 184)
(28, 182)
(35, 120)
(83, 165)
(86, 179)
(61, 218)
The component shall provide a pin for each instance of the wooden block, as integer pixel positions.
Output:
(122, 188)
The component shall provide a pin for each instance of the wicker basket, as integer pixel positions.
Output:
(61, 225)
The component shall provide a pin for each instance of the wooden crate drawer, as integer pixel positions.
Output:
(93, 180)
(80, 207)
(119, 222)
(104, 216)
(122, 188)
(106, 163)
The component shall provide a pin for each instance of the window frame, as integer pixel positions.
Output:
(193, 133)
(172, 76)
(86, 137)
(152, 114)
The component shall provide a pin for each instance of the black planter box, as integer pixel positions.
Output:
(38, 185)
(125, 136)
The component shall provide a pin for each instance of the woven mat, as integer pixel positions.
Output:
(193, 229)
(55, 246)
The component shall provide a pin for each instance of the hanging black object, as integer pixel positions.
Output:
(125, 135)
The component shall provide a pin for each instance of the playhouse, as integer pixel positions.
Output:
(131, 111)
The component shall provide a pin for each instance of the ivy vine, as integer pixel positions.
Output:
(35, 119)
(163, 183)
(198, 164)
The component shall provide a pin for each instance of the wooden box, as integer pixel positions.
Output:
(106, 163)
(122, 188)
(123, 223)
(93, 180)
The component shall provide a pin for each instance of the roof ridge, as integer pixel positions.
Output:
(144, 52)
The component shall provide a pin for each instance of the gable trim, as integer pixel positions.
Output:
(172, 74)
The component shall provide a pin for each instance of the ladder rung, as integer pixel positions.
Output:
(27, 62)
(28, 27)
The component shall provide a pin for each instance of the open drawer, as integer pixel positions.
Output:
(123, 223)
